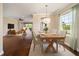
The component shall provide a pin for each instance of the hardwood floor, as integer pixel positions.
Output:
(19, 47)
(71, 50)
(24, 48)
(16, 47)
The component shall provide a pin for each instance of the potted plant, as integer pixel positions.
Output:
(46, 28)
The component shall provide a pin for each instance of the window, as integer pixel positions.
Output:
(66, 21)
(29, 25)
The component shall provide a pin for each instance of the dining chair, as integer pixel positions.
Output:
(54, 31)
(62, 42)
(37, 41)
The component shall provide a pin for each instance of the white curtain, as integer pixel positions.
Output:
(74, 38)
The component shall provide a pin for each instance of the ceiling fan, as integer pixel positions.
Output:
(20, 19)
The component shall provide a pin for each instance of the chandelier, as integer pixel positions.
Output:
(46, 19)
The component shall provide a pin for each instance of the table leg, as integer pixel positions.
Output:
(50, 46)
(56, 46)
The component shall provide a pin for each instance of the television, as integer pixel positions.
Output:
(10, 26)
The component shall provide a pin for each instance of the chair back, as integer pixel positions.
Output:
(63, 33)
(54, 31)
(36, 38)
(33, 36)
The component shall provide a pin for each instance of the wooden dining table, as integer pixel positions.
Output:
(51, 38)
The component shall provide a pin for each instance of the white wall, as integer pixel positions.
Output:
(7, 20)
(1, 32)
(28, 19)
(36, 23)
(54, 22)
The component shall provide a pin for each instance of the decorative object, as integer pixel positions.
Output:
(12, 32)
(45, 28)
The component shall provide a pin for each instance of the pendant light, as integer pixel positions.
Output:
(46, 19)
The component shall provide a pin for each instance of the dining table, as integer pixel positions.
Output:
(51, 38)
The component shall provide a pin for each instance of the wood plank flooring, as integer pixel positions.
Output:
(16, 47)
(19, 47)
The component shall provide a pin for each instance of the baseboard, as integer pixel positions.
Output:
(1, 53)
(70, 49)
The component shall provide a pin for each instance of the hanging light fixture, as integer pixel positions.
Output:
(45, 12)
(46, 19)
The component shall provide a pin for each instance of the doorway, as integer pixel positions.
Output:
(28, 25)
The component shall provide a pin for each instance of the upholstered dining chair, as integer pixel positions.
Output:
(54, 31)
(62, 42)
(37, 41)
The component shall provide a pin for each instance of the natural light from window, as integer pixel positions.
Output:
(66, 22)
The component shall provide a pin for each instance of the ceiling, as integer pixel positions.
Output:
(24, 10)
